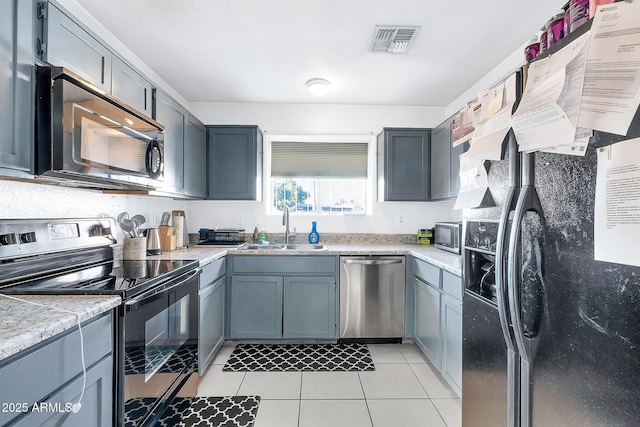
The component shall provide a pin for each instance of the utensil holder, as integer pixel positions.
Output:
(167, 238)
(134, 248)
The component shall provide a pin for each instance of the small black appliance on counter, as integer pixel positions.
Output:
(221, 237)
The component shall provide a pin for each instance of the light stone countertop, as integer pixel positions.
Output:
(442, 259)
(23, 325)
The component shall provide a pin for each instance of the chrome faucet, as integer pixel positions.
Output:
(285, 222)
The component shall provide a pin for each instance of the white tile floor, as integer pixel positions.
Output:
(404, 390)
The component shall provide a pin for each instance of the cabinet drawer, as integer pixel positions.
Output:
(452, 285)
(43, 370)
(212, 271)
(284, 264)
(427, 272)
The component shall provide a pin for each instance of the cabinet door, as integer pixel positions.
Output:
(195, 158)
(451, 319)
(97, 401)
(440, 161)
(211, 325)
(71, 46)
(234, 163)
(130, 87)
(406, 164)
(256, 307)
(16, 81)
(427, 321)
(310, 307)
(173, 116)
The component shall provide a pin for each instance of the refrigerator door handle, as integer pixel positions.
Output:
(503, 305)
(513, 363)
(527, 201)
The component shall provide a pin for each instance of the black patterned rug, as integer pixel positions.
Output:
(234, 411)
(300, 357)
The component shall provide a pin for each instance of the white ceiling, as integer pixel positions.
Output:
(264, 51)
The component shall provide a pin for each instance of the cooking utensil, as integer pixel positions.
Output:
(165, 218)
(126, 224)
(138, 220)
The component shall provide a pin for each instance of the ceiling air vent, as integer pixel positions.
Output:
(392, 39)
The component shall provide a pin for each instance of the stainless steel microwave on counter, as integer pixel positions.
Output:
(448, 236)
(86, 138)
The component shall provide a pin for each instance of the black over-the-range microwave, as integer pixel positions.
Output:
(87, 138)
(448, 236)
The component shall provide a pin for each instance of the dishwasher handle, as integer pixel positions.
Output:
(372, 261)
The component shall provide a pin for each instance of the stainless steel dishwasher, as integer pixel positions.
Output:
(372, 297)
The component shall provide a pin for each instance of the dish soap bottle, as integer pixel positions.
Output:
(314, 237)
(262, 236)
(255, 235)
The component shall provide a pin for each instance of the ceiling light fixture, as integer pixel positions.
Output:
(318, 87)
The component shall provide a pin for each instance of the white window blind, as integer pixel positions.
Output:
(291, 159)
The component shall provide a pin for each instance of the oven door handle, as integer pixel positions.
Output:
(135, 302)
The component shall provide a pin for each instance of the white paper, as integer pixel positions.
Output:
(473, 186)
(610, 96)
(579, 146)
(489, 135)
(617, 203)
(548, 112)
(463, 126)
(468, 161)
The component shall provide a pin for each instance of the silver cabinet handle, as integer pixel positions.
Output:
(161, 289)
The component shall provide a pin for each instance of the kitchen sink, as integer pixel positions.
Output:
(306, 247)
(290, 247)
(256, 246)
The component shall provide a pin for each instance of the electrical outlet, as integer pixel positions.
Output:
(400, 219)
(254, 219)
(240, 220)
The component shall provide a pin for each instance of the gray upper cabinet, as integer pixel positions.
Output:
(234, 163)
(404, 165)
(64, 43)
(174, 118)
(195, 158)
(441, 160)
(129, 86)
(16, 82)
(445, 162)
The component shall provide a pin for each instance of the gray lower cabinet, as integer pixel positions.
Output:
(129, 86)
(234, 163)
(404, 165)
(438, 320)
(309, 307)
(16, 82)
(283, 297)
(64, 43)
(256, 307)
(211, 312)
(451, 323)
(427, 321)
(50, 376)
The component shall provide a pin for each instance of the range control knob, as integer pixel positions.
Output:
(7, 239)
(29, 237)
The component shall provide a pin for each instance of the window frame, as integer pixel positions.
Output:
(337, 138)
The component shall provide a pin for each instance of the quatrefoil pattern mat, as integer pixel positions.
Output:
(234, 411)
(300, 357)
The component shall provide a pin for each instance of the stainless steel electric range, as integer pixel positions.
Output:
(157, 324)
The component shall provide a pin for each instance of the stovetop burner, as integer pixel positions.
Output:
(125, 278)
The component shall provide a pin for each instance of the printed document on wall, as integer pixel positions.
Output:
(548, 112)
(610, 96)
(617, 210)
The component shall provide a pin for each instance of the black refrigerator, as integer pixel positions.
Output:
(551, 337)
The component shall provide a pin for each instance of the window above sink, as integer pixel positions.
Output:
(320, 174)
